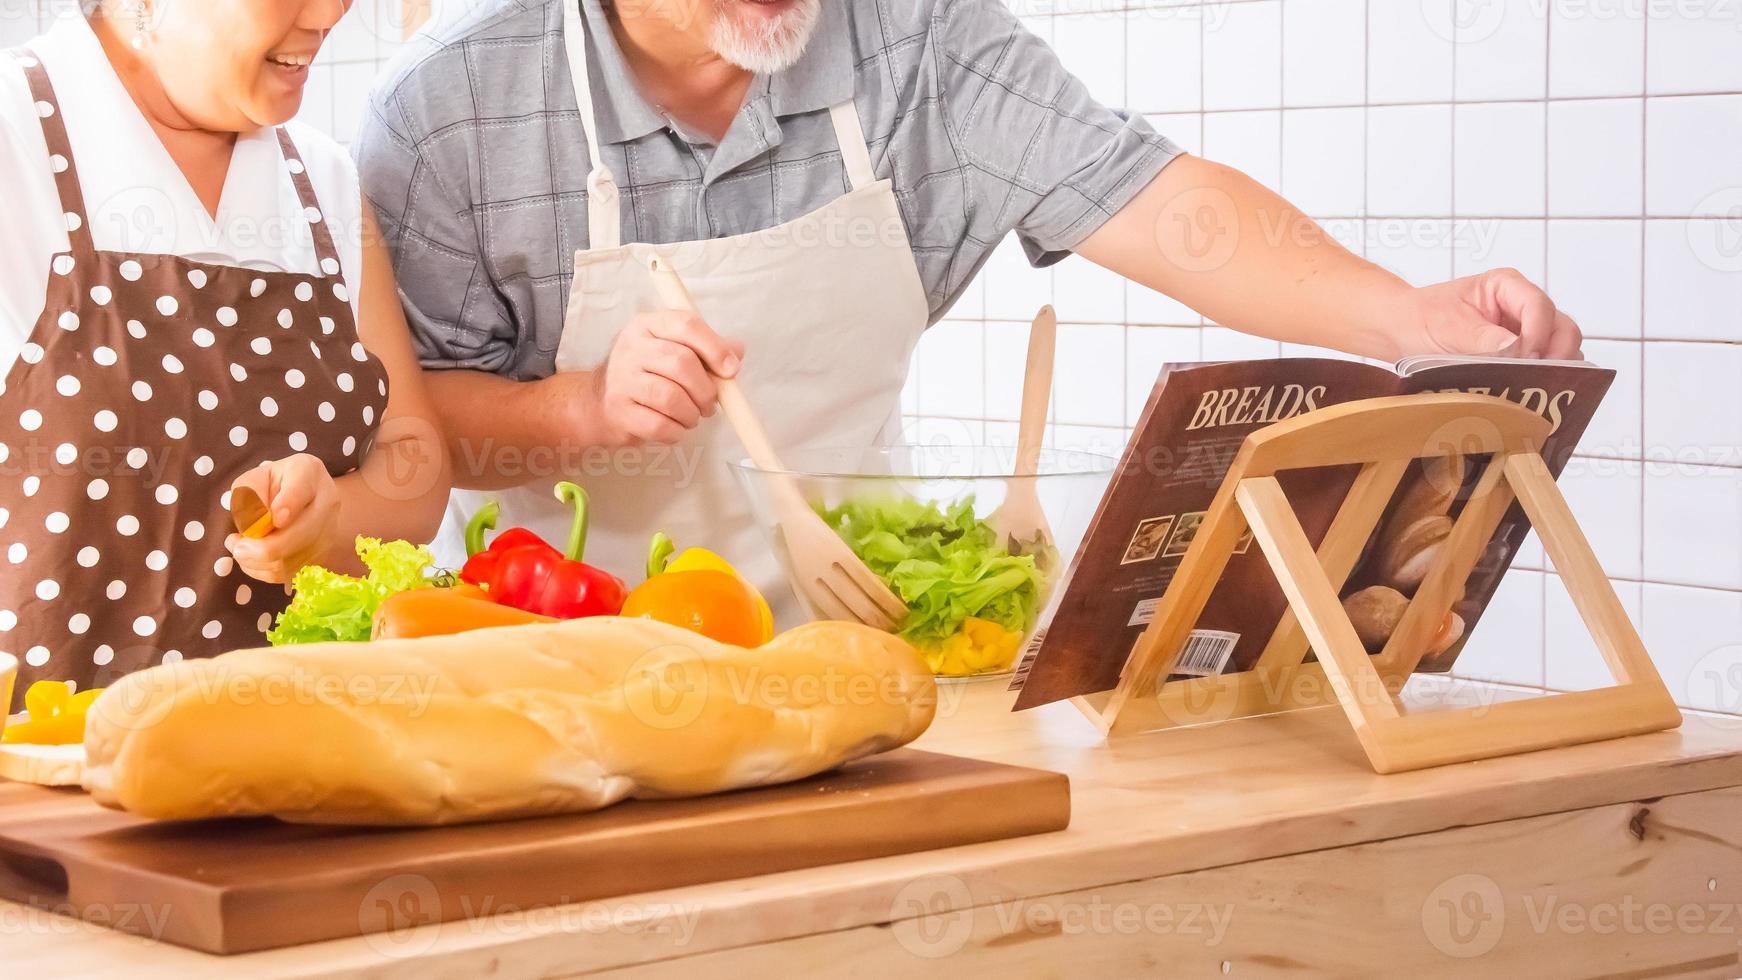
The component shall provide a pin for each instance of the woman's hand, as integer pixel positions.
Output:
(304, 502)
(1494, 312)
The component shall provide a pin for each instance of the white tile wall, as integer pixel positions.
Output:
(1583, 256)
(1577, 665)
(1692, 634)
(1410, 56)
(1323, 171)
(1501, 49)
(1243, 56)
(1609, 185)
(1693, 153)
(1250, 140)
(1498, 158)
(1595, 145)
(1324, 43)
(1689, 49)
(1596, 47)
(1508, 644)
(1415, 140)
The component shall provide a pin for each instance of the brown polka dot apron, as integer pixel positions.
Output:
(147, 386)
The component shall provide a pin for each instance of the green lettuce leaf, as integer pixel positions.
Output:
(326, 606)
(944, 563)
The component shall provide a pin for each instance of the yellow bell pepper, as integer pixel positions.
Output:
(57, 715)
(660, 560)
(979, 647)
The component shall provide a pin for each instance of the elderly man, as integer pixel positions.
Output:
(826, 176)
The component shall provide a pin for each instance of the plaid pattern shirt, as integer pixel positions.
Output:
(474, 157)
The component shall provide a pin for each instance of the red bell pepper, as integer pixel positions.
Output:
(530, 575)
(481, 562)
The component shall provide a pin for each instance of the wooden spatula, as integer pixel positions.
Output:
(823, 567)
(248, 510)
(1020, 522)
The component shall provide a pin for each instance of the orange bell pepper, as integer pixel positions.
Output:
(660, 561)
(716, 604)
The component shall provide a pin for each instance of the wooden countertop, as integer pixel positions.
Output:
(1144, 806)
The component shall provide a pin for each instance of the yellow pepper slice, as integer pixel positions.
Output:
(44, 698)
(980, 646)
(57, 716)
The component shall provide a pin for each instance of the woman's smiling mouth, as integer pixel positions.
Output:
(291, 63)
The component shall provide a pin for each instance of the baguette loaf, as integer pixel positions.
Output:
(496, 723)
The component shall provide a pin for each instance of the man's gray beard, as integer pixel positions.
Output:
(766, 47)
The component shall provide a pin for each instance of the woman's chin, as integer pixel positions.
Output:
(279, 94)
(276, 107)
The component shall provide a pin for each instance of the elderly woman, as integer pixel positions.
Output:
(190, 296)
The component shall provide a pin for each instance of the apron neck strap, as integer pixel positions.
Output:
(604, 218)
(311, 206)
(60, 153)
(855, 152)
(604, 215)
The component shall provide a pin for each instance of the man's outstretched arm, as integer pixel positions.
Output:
(1235, 251)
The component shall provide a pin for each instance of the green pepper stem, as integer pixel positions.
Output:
(571, 493)
(659, 554)
(483, 520)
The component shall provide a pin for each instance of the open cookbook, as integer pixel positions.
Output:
(1196, 419)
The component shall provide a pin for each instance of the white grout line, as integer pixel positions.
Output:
(1408, 103)
(1366, 118)
(1547, 70)
(1644, 242)
(1453, 146)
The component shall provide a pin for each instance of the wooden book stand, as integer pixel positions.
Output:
(1385, 435)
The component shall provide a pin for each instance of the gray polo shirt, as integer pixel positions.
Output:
(474, 156)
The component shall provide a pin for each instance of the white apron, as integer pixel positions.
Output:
(829, 307)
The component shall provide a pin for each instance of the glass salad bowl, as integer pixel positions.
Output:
(926, 520)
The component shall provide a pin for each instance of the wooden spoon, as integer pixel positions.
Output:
(1020, 521)
(824, 569)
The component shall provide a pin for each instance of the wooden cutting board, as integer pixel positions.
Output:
(231, 886)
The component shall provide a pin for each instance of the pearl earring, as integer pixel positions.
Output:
(141, 26)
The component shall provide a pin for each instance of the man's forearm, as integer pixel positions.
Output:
(1220, 242)
(502, 433)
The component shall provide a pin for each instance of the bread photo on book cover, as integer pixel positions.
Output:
(1403, 552)
(506, 722)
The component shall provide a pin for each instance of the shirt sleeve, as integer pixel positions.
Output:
(458, 319)
(34, 228)
(1047, 160)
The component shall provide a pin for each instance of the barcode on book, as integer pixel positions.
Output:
(1206, 653)
(1029, 652)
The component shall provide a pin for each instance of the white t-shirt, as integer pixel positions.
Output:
(137, 199)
